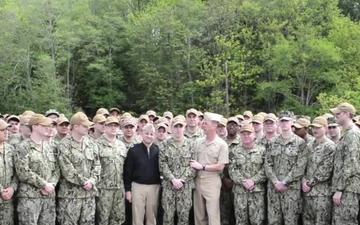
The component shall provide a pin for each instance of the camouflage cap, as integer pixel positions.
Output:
(99, 118)
(129, 121)
(27, 113)
(212, 117)
(62, 119)
(302, 123)
(126, 114)
(223, 122)
(103, 111)
(258, 118)
(163, 125)
(180, 119)
(327, 115)
(319, 121)
(39, 119)
(286, 115)
(233, 119)
(263, 114)
(247, 127)
(12, 117)
(24, 120)
(52, 112)
(3, 125)
(144, 117)
(168, 114)
(193, 111)
(248, 113)
(240, 117)
(80, 118)
(115, 110)
(344, 107)
(199, 113)
(112, 119)
(332, 122)
(151, 113)
(271, 117)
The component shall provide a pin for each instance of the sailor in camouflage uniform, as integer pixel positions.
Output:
(174, 159)
(316, 181)
(284, 166)
(38, 174)
(246, 169)
(346, 177)
(110, 208)
(80, 171)
(8, 180)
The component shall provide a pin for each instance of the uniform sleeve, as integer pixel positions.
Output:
(235, 170)
(96, 166)
(298, 169)
(67, 169)
(269, 166)
(223, 154)
(189, 173)
(260, 176)
(25, 174)
(325, 168)
(14, 180)
(351, 165)
(163, 164)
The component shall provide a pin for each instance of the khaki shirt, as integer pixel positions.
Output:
(215, 152)
(35, 166)
(112, 157)
(319, 167)
(79, 162)
(7, 169)
(248, 164)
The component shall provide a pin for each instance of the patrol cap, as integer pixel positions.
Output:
(103, 111)
(112, 119)
(13, 118)
(52, 112)
(193, 111)
(286, 115)
(180, 119)
(168, 114)
(115, 110)
(24, 120)
(3, 125)
(212, 117)
(63, 120)
(80, 118)
(332, 122)
(163, 125)
(344, 107)
(247, 127)
(319, 122)
(258, 119)
(27, 113)
(39, 119)
(270, 117)
(144, 117)
(233, 119)
(151, 113)
(223, 121)
(248, 113)
(302, 123)
(240, 117)
(199, 113)
(263, 114)
(327, 115)
(126, 114)
(99, 118)
(129, 121)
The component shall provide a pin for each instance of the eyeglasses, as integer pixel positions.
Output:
(332, 127)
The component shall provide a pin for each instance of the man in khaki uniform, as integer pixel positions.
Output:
(38, 174)
(80, 171)
(110, 207)
(316, 181)
(8, 180)
(175, 155)
(193, 131)
(246, 169)
(345, 180)
(211, 156)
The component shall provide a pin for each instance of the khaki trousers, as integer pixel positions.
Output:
(207, 201)
(145, 200)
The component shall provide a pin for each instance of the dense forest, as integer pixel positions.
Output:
(220, 55)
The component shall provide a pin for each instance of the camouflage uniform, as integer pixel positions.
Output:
(226, 195)
(7, 179)
(285, 161)
(128, 145)
(36, 166)
(317, 202)
(346, 177)
(193, 136)
(15, 139)
(248, 164)
(79, 162)
(110, 208)
(174, 163)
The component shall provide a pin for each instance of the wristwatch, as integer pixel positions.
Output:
(204, 167)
